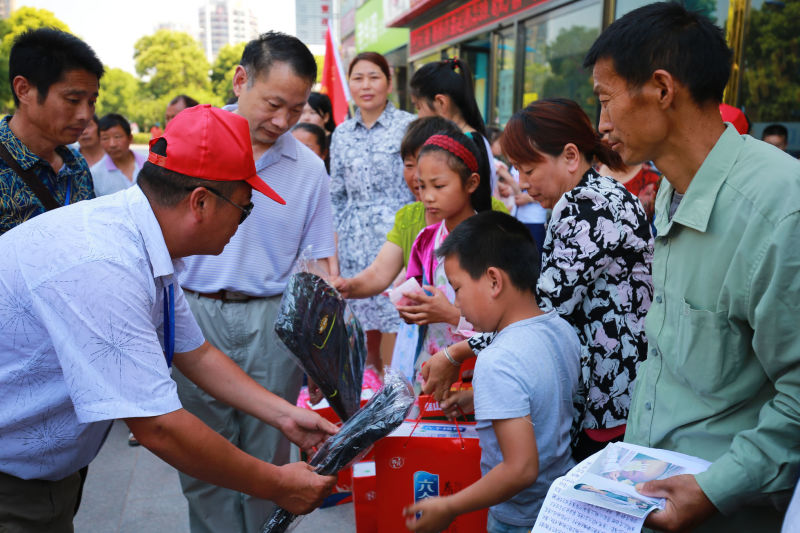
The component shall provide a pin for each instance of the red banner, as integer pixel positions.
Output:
(333, 80)
(470, 16)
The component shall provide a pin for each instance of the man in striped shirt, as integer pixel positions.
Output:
(235, 296)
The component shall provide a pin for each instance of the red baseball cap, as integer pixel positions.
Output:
(211, 144)
(735, 116)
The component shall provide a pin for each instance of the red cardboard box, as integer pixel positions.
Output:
(433, 461)
(365, 497)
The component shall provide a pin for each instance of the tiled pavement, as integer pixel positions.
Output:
(132, 490)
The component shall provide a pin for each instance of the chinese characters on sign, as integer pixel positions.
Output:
(470, 16)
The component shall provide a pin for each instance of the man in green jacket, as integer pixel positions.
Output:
(722, 377)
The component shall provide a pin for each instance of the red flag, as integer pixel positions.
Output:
(333, 79)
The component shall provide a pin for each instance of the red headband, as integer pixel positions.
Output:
(455, 148)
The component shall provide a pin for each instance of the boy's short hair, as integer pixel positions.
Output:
(495, 239)
(42, 56)
(666, 35)
(776, 129)
(113, 119)
(421, 129)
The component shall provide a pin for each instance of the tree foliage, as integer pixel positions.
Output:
(168, 60)
(223, 68)
(21, 20)
(771, 74)
(569, 78)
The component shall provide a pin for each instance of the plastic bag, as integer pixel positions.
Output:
(323, 334)
(382, 414)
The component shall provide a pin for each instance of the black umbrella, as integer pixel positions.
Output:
(317, 326)
(382, 414)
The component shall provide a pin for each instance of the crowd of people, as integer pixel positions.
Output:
(631, 280)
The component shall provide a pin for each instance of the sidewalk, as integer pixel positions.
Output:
(131, 490)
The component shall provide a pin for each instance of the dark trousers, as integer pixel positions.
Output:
(37, 505)
(538, 231)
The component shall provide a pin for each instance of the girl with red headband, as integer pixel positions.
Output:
(449, 188)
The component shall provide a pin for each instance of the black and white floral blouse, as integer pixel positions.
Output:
(596, 273)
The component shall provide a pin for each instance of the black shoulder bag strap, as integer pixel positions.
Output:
(31, 179)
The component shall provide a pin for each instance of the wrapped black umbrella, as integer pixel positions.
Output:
(380, 416)
(317, 326)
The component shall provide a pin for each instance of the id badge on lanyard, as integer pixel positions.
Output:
(169, 323)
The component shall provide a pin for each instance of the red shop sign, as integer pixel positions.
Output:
(471, 16)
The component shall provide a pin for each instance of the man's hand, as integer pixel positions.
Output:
(302, 489)
(429, 309)
(458, 403)
(687, 504)
(436, 515)
(438, 374)
(305, 428)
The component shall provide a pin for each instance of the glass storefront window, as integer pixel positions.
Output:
(716, 10)
(504, 76)
(476, 54)
(554, 50)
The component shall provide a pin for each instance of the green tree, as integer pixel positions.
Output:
(569, 79)
(223, 68)
(22, 19)
(171, 62)
(771, 74)
(119, 93)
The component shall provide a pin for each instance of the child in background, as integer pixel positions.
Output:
(523, 382)
(449, 188)
(314, 137)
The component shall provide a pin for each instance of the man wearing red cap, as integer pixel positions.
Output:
(236, 295)
(92, 318)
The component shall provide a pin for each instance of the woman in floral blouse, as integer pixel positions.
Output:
(367, 186)
(596, 260)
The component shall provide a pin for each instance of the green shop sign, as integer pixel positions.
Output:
(372, 33)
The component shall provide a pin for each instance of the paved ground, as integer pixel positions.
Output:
(131, 490)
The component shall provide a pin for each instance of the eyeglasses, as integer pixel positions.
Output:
(246, 210)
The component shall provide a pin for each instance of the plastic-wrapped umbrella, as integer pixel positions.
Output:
(317, 326)
(382, 414)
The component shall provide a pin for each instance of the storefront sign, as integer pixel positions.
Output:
(372, 33)
(469, 17)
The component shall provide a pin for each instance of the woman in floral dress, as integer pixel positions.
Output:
(367, 187)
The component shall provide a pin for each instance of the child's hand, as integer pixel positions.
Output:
(523, 198)
(438, 374)
(341, 284)
(458, 404)
(429, 309)
(314, 393)
(436, 515)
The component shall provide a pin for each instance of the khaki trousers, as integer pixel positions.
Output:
(245, 332)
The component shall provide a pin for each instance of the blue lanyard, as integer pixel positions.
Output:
(69, 192)
(169, 324)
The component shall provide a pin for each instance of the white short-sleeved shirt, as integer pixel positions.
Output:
(81, 331)
(259, 258)
(108, 179)
(530, 368)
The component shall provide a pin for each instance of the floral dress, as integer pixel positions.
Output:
(367, 189)
(596, 273)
